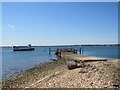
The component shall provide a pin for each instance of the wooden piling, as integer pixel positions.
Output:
(49, 50)
(80, 51)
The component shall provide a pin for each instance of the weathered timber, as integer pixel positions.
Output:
(82, 58)
(60, 50)
(73, 59)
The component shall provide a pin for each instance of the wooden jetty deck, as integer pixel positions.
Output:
(75, 61)
(75, 57)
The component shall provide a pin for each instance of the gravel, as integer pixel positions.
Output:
(99, 74)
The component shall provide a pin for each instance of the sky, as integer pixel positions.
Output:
(59, 23)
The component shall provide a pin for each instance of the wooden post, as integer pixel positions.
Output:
(75, 51)
(49, 51)
(80, 51)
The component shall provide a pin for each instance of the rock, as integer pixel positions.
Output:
(72, 65)
(83, 71)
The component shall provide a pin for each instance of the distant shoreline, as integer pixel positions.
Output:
(69, 45)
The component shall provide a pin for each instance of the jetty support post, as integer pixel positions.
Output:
(58, 52)
(49, 50)
(75, 51)
(80, 51)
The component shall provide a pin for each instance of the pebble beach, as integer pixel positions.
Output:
(99, 74)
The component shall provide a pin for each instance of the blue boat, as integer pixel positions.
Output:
(23, 48)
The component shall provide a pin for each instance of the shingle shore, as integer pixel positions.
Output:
(55, 74)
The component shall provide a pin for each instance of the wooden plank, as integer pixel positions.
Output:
(71, 56)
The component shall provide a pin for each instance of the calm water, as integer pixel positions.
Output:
(17, 62)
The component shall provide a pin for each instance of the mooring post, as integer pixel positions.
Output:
(49, 50)
(75, 51)
(80, 51)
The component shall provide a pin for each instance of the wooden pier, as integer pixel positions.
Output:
(83, 58)
(73, 59)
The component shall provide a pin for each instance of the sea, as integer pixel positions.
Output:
(15, 62)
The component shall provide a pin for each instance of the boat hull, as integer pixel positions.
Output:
(25, 49)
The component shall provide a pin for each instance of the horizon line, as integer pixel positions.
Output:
(62, 45)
